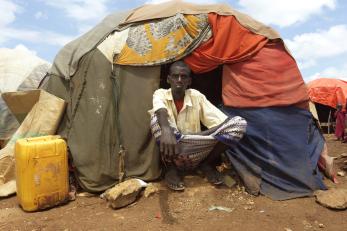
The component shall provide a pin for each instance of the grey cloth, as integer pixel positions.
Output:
(108, 107)
(67, 60)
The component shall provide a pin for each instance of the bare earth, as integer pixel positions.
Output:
(186, 211)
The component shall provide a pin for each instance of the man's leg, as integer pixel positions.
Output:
(173, 178)
(208, 166)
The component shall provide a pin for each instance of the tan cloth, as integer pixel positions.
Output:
(168, 9)
(195, 108)
(45, 111)
(113, 44)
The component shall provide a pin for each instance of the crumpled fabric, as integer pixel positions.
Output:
(230, 43)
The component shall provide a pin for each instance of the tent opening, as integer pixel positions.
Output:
(326, 117)
(209, 83)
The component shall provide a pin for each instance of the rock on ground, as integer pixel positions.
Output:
(123, 194)
(333, 198)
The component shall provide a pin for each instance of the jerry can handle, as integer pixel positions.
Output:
(50, 137)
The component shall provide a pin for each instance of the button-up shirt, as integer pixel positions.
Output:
(196, 109)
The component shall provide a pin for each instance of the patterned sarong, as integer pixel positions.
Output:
(193, 149)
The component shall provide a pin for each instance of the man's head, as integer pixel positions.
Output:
(179, 78)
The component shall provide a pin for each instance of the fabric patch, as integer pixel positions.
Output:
(164, 40)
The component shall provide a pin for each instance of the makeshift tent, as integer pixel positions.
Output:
(108, 76)
(326, 93)
(329, 92)
(17, 74)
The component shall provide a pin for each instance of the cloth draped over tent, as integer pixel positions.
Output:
(171, 8)
(329, 92)
(113, 44)
(269, 78)
(230, 43)
(99, 105)
(163, 41)
(279, 153)
(68, 59)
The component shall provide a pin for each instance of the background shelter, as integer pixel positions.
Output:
(20, 70)
(108, 76)
(326, 93)
(329, 92)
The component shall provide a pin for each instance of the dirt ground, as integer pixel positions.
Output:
(188, 210)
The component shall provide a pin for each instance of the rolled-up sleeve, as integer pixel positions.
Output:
(210, 115)
(158, 101)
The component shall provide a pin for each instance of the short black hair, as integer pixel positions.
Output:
(179, 64)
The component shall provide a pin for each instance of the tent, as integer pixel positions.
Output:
(329, 92)
(108, 76)
(16, 74)
(326, 93)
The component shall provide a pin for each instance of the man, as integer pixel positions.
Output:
(176, 116)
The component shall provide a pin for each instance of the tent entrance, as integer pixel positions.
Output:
(326, 117)
(209, 83)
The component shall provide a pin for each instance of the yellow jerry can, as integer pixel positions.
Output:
(41, 172)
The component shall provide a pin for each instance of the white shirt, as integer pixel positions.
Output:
(196, 108)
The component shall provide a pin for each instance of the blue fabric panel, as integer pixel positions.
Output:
(278, 155)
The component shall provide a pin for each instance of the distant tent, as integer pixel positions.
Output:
(108, 76)
(326, 93)
(329, 92)
(19, 70)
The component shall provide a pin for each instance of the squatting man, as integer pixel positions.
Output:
(175, 123)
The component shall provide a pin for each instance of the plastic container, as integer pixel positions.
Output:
(41, 172)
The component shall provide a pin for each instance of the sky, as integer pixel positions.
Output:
(315, 31)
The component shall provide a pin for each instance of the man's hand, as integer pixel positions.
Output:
(168, 143)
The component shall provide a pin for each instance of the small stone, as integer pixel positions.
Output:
(288, 229)
(306, 224)
(115, 215)
(321, 225)
(341, 173)
(151, 189)
(229, 181)
(342, 155)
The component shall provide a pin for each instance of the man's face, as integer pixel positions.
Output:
(179, 79)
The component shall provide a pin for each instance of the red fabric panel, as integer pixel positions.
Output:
(270, 78)
(230, 43)
(328, 92)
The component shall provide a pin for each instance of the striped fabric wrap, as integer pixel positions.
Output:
(193, 149)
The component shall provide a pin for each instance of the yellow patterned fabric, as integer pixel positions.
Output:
(164, 40)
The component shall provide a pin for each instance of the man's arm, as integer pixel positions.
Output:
(209, 131)
(168, 143)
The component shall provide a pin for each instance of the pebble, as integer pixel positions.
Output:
(321, 225)
(151, 189)
(341, 173)
(343, 155)
(288, 229)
